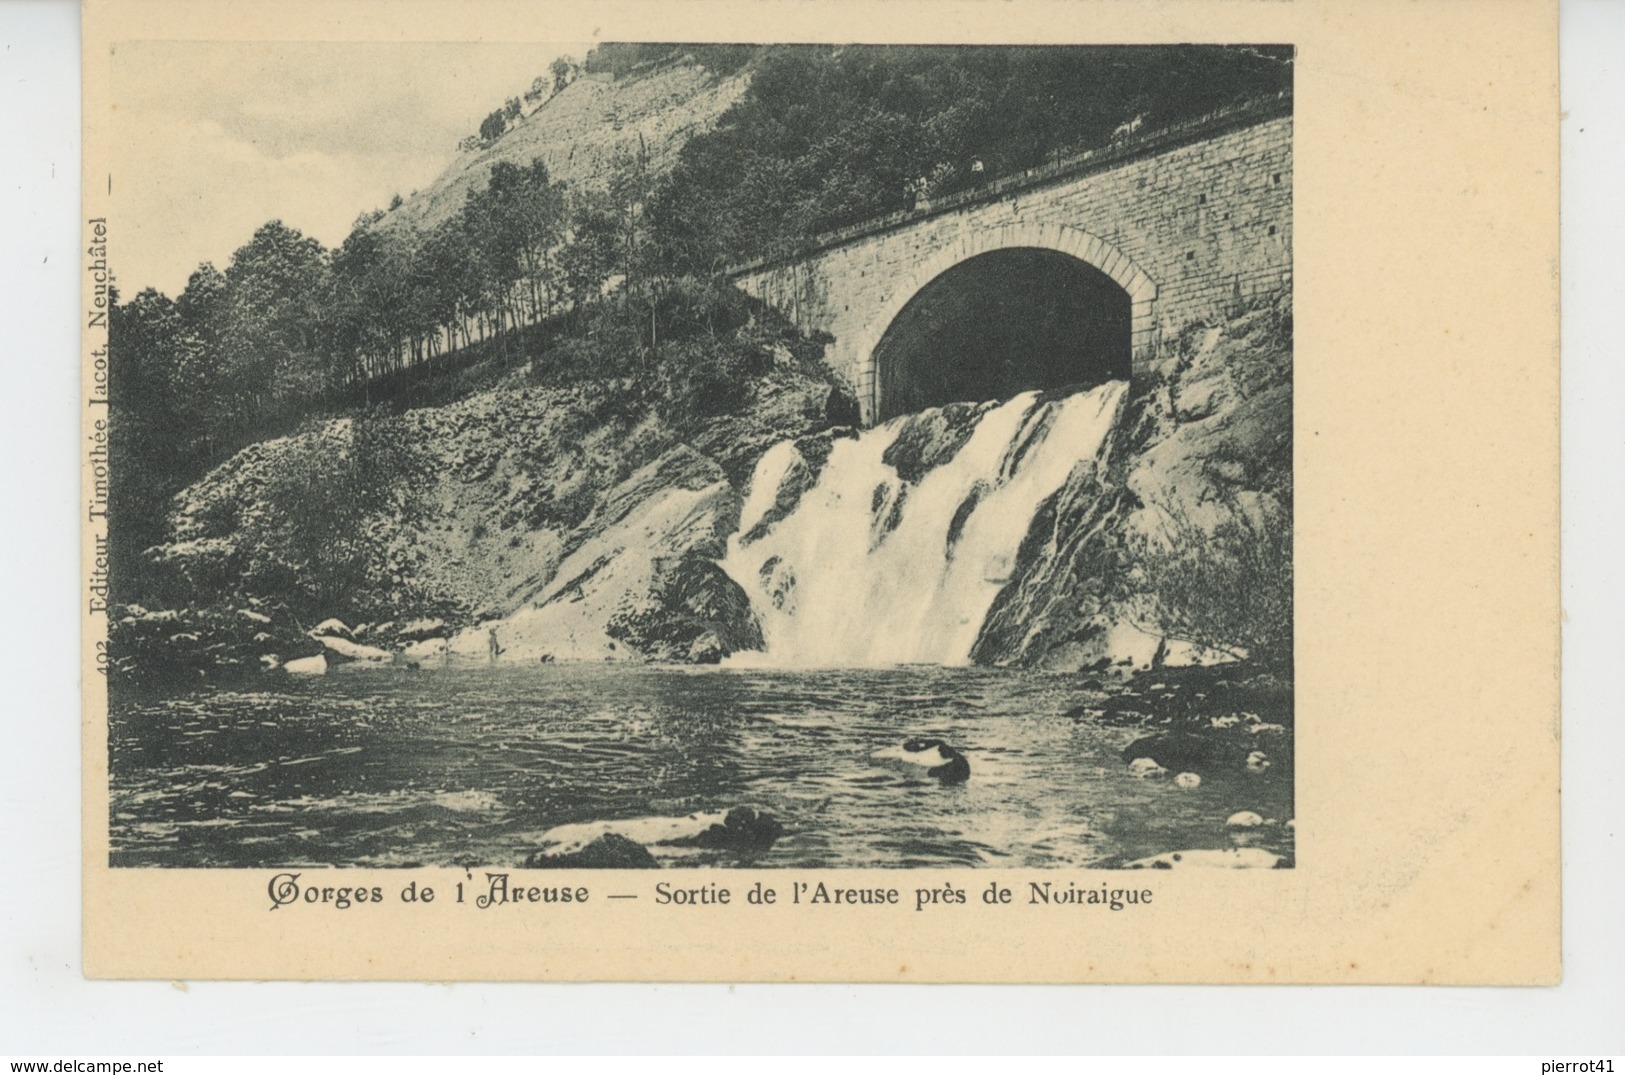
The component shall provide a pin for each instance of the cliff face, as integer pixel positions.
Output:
(1193, 507)
(583, 130)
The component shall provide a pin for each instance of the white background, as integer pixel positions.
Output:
(48, 1009)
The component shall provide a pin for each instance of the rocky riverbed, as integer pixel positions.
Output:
(627, 765)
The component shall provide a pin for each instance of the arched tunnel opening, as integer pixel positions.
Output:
(1003, 323)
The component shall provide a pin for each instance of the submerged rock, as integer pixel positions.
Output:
(1183, 751)
(1234, 858)
(610, 851)
(742, 828)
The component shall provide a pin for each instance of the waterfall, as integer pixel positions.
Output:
(861, 566)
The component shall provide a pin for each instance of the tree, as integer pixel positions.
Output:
(631, 187)
(592, 252)
(492, 127)
(826, 137)
(525, 222)
(326, 507)
(564, 71)
(198, 387)
(449, 271)
(513, 229)
(275, 320)
(144, 337)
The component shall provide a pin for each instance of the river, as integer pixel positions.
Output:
(469, 766)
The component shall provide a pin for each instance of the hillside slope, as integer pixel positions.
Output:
(580, 131)
(583, 519)
(537, 523)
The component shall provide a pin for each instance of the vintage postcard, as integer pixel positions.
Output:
(1037, 492)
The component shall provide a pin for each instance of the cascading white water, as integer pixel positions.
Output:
(869, 569)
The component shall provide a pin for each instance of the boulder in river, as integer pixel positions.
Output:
(332, 628)
(307, 666)
(939, 759)
(1145, 768)
(339, 649)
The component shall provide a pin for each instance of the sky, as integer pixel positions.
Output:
(212, 139)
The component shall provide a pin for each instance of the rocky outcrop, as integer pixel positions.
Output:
(332, 628)
(931, 438)
(693, 612)
(1204, 443)
(636, 582)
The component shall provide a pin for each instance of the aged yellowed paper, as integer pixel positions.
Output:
(909, 492)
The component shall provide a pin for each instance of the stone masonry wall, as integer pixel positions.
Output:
(1188, 221)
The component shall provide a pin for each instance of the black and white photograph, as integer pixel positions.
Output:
(685, 454)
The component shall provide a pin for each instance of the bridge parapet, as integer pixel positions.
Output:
(1187, 220)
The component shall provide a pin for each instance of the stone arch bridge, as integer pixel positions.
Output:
(1070, 273)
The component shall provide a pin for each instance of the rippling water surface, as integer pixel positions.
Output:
(469, 767)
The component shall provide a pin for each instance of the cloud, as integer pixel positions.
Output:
(212, 139)
(186, 191)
